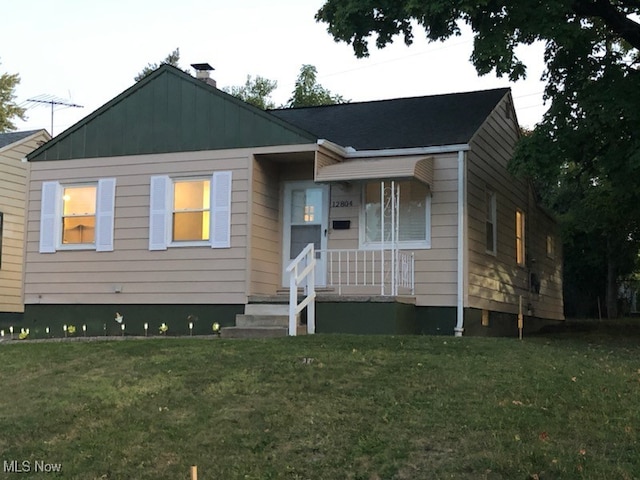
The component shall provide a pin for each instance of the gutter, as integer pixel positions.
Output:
(462, 217)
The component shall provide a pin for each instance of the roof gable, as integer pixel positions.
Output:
(169, 111)
(14, 137)
(399, 123)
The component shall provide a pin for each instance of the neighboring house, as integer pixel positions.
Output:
(14, 147)
(176, 200)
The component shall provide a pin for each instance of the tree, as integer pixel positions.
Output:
(172, 59)
(8, 107)
(256, 91)
(308, 92)
(584, 156)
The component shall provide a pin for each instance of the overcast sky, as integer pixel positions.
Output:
(88, 51)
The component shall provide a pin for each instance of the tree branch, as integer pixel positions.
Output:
(616, 20)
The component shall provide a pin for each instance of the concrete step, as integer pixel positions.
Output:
(266, 309)
(253, 320)
(253, 332)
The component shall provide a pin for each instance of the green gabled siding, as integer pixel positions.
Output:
(170, 111)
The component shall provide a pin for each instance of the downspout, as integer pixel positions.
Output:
(462, 216)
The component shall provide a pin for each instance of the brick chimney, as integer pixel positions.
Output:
(202, 73)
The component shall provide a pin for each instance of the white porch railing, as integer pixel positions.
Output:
(306, 263)
(392, 271)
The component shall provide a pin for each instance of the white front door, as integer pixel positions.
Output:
(306, 219)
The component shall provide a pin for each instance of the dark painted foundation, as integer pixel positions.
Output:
(502, 324)
(365, 317)
(100, 319)
(361, 315)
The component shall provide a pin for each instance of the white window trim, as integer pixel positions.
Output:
(494, 214)
(161, 209)
(403, 245)
(51, 217)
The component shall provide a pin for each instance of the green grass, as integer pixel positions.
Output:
(326, 407)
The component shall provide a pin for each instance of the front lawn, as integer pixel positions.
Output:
(324, 407)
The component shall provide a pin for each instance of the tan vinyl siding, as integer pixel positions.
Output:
(495, 282)
(13, 185)
(266, 231)
(176, 275)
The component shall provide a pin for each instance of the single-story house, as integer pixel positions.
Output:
(176, 200)
(14, 146)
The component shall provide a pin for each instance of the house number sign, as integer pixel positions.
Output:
(341, 203)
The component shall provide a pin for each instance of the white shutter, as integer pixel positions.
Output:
(105, 214)
(158, 212)
(221, 210)
(49, 216)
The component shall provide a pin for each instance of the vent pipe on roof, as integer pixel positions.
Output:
(202, 73)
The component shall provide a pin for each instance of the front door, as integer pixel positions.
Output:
(305, 221)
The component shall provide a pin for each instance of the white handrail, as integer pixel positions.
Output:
(307, 275)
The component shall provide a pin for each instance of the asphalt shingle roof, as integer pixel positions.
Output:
(13, 137)
(399, 123)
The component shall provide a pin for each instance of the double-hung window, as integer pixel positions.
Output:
(190, 211)
(413, 214)
(520, 238)
(77, 216)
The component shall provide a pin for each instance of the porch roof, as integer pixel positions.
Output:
(420, 168)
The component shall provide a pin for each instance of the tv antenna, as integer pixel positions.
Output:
(53, 101)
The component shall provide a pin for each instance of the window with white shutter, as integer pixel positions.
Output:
(187, 212)
(77, 216)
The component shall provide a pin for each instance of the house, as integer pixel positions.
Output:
(14, 146)
(176, 200)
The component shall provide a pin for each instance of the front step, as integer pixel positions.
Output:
(244, 320)
(254, 332)
(261, 320)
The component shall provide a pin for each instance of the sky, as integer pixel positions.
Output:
(86, 52)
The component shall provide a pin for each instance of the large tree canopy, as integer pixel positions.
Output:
(584, 157)
(309, 93)
(9, 110)
(498, 28)
(256, 91)
(172, 59)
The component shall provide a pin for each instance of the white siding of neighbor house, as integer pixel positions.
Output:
(199, 275)
(495, 282)
(13, 185)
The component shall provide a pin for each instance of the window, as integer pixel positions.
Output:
(77, 216)
(551, 248)
(490, 222)
(414, 223)
(190, 211)
(520, 246)
(1, 236)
